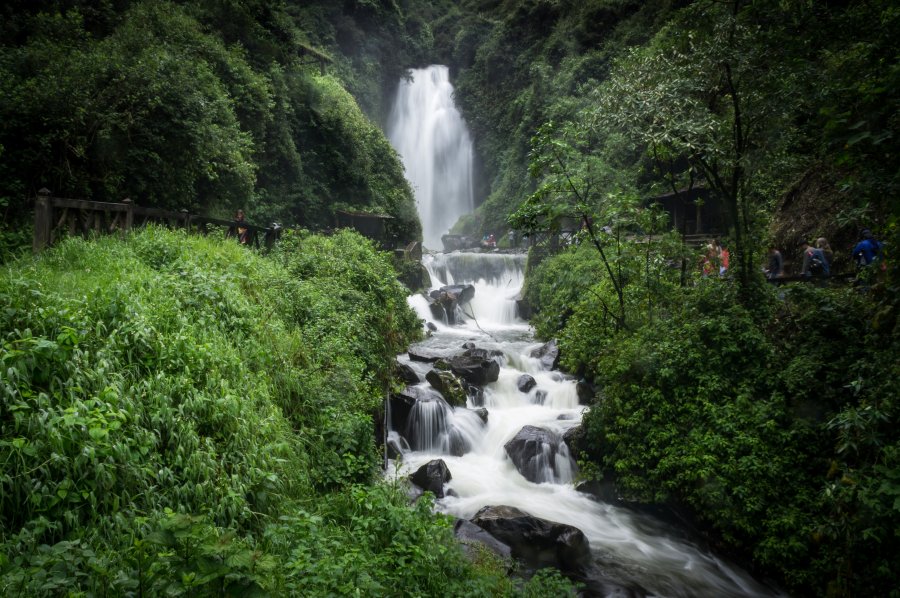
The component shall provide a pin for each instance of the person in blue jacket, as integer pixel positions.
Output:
(866, 250)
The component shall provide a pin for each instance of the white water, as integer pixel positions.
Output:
(642, 555)
(629, 549)
(431, 137)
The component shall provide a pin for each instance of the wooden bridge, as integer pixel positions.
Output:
(55, 217)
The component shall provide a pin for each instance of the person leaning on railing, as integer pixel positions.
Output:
(240, 229)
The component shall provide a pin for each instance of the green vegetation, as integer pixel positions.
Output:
(204, 106)
(765, 415)
(185, 417)
(771, 427)
(181, 416)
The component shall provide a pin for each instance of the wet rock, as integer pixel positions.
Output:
(536, 541)
(470, 536)
(482, 413)
(525, 383)
(423, 356)
(459, 446)
(585, 392)
(485, 353)
(400, 407)
(601, 490)
(403, 403)
(449, 386)
(523, 308)
(443, 309)
(573, 436)
(475, 392)
(431, 477)
(475, 370)
(539, 454)
(406, 373)
(444, 303)
(460, 293)
(539, 397)
(431, 326)
(548, 353)
(396, 446)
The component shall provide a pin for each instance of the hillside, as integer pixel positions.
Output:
(180, 416)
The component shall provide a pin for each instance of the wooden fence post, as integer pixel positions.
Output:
(43, 221)
(129, 214)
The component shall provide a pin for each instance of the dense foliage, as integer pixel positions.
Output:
(771, 427)
(766, 416)
(180, 416)
(205, 106)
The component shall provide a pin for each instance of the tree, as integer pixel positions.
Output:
(585, 177)
(712, 89)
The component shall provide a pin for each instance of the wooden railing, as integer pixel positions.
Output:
(55, 217)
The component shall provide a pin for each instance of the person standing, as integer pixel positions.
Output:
(814, 261)
(239, 229)
(775, 269)
(866, 250)
(724, 259)
(822, 243)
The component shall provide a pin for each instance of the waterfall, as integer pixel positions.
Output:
(507, 445)
(431, 137)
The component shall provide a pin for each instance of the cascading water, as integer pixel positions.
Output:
(431, 137)
(642, 556)
(638, 555)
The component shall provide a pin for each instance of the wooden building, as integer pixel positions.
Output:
(693, 211)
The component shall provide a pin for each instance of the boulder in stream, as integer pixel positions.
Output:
(475, 370)
(423, 356)
(450, 387)
(432, 476)
(405, 372)
(482, 413)
(573, 437)
(469, 535)
(461, 293)
(525, 383)
(586, 392)
(540, 455)
(485, 354)
(548, 353)
(536, 541)
(402, 403)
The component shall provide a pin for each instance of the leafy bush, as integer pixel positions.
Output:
(181, 416)
(767, 425)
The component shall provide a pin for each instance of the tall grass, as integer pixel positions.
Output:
(183, 416)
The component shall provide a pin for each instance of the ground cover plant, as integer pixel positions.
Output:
(182, 416)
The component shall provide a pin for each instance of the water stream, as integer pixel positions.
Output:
(639, 555)
(636, 552)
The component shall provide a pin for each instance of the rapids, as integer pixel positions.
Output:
(631, 549)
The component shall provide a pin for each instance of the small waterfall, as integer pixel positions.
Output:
(497, 279)
(427, 429)
(631, 550)
(431, 137)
